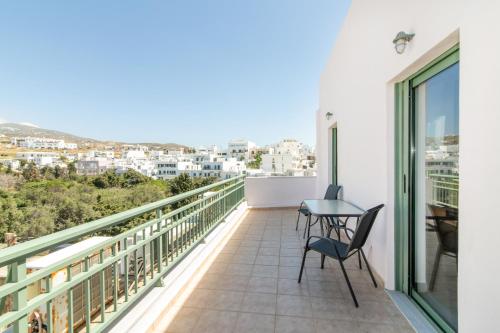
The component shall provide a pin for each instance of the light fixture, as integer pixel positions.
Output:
(328, 115)
(402, 38)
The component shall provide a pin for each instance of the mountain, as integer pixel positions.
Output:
(10, 130)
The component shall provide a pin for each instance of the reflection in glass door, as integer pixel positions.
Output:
(434, 170)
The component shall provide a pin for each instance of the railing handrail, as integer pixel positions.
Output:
(11, 254)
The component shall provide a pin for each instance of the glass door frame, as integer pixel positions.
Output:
(334, 157)
(404, 158)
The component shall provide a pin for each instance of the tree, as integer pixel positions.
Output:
(257, 162)
(72, 170)
(180, 184)
(31, 172)
(132, 178)
(41, 221)
(47, 172)
(58, 172)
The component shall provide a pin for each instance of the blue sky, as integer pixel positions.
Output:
(442, 103)
(191, 72)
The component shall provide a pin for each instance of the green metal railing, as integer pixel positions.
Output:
(444, 190)
(123, 267)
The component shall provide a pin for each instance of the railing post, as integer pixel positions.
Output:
(159, 246)
(20, 297)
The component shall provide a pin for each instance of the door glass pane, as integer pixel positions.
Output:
(436, 170)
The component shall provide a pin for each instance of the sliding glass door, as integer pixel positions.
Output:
(430, 148)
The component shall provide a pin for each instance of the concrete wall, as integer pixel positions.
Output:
(357, 86)
(263, 192)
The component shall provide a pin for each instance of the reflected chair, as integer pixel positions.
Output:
(332, 193)
(446, 228)
(341, 251)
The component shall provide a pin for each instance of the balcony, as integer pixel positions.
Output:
(197, 262)
(252, 286)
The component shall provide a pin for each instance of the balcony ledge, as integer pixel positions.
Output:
(158, 307)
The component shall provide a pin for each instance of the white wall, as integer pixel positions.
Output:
(357, 86)
(262, 192)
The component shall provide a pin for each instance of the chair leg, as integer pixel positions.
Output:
(309, 227)
(323, 261)
(359, 261)
(435, 269)
(302, 266)
(348, 283)
(368, 267)
(297, 225)
(308, 223)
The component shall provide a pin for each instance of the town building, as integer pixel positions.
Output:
(240, 149)
(41, 143)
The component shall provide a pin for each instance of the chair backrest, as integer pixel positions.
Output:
(446, 228)
(363, 229)
(332, 192)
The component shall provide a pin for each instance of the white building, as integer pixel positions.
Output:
(290, 147)
(41, 143)
(223, 168)
(40, 159)
(168, 169)
(11, 163)
(372, 100)
(134, 154)
(240, 149)
(279, 163)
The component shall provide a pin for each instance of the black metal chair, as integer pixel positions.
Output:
(340, 251)
(332, 193)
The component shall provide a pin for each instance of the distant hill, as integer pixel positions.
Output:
(10, 130)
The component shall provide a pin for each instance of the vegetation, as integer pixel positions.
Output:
(37, 201)
(257, 161)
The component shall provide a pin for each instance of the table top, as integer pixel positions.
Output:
(334, 208)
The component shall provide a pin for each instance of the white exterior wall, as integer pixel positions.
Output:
(240, 148)
(264, 192)
(357, 86)
(277, 163)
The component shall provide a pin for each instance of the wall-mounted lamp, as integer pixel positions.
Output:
(328, 115)
(402, 38)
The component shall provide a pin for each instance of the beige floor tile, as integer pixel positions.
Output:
(289, 305)
(213, 321)
(259, 303)
(260, 284)
(242, 259)
(290, 261)
(336, 326)
(239, 269)
(290, 272)
(267, 260)
(269, 251)
(286, 324)
(270, 243)
(255, 323)
(265, 271)
(292, 287)
(329, 289)
(333, 308)
(184, 321)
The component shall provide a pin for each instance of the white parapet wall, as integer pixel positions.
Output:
(267, 192)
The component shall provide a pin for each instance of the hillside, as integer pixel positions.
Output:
(10, 130)
(13, 129)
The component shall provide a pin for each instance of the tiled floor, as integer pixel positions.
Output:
(252, 287)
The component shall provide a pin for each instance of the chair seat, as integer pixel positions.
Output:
(327, 247)
(304, 211)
